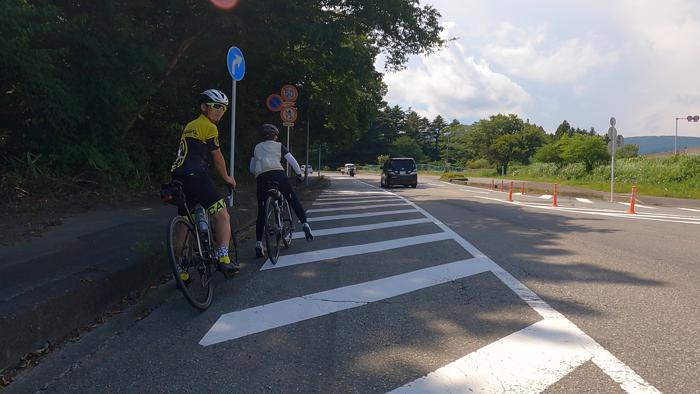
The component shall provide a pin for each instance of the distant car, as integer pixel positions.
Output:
(399, 171)
(310, 169)
(347, 167)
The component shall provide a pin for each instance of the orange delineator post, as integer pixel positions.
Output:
(632, 198)
(522, 188)
(510, 191)
(554, 201)
(501, 184)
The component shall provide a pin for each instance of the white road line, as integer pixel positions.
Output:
(434, 184)
(529, 360)
(354, 208)
(351, 198)
(608, 363)
(264, 317)
(477, 188)
(604, 212)
(584, 200)
(690, 209)
(367, 227)
(545, 196)
(344, 251)
(359, 215)
(351, 192)
(636, 205)
(354, 201)
(474, 191)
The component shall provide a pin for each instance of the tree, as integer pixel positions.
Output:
(550, 153)
(406, 146)
(563, 129)
(111, 84)
(627, 151)
(585, 149)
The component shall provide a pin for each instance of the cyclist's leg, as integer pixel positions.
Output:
(211, 200)
(291, 197)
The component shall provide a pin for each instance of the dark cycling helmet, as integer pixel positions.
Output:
(269, 129)
(213, 96)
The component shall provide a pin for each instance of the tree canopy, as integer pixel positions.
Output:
(103, 89)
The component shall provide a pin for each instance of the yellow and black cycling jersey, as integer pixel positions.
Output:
(198, 139)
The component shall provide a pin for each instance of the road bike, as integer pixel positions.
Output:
(190, 245)
(279, 225)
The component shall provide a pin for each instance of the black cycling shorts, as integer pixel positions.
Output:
(199, 189)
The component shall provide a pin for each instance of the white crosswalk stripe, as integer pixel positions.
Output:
(355, 208)
(326, 254)
(367, 227)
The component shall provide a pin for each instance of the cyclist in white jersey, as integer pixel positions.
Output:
(266, 164)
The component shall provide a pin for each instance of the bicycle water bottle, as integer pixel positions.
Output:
(201, 218)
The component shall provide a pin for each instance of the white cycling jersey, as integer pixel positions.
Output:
(268, 157)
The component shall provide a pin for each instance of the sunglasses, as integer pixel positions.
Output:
(218, 106)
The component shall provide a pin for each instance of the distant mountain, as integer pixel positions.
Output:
(655, 144)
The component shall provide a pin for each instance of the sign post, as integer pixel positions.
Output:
(236, 67)
(612, 134)
(288, 113)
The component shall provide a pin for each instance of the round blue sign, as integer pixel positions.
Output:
(235, 63)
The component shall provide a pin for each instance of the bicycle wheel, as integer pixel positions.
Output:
(272, 230)
(287, 224)
(192, 273)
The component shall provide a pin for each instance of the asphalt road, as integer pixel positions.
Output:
(443, 288)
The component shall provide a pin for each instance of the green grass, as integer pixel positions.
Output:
(677, 177)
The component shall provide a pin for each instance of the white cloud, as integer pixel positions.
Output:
(524, 55)
(452, 84)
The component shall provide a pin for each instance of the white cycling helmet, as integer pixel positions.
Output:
(214, 96)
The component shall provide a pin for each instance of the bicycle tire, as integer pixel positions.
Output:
(199, 272)
(287, 224)
(272, 232)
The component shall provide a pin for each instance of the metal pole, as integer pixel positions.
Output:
(289, 147)
(612, 170)
(233, 125)
(319, 160)
(675, 145)
(306, 174)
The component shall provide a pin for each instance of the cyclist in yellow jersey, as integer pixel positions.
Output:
(199, 142)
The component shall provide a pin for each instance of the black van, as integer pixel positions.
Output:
(399, 171)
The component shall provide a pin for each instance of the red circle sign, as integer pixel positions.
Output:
(289, 93)
(288, 114)
(274, 102)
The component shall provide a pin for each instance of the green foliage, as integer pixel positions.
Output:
(381, 159)
(550, 153)
(406, 146)
(668, 176)
(586, 149)
(627, 151)
(478, 163)
(102, 89)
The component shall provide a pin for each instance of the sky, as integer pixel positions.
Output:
(549, 61)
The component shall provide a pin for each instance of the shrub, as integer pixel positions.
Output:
(478, 163)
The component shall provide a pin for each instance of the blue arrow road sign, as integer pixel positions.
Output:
(235, 63)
